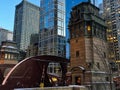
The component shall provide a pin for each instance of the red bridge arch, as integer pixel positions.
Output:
(28, 73)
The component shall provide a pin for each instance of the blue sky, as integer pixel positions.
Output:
(7, 12)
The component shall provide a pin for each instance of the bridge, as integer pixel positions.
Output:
(31, 72)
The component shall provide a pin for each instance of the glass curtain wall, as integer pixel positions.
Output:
(52, 40)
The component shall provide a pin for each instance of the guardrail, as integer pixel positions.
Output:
(73, 87)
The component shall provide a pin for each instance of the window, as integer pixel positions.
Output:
(104, 54)
(77, 53)
(76, 40)
(5, 56)
(107, 78)
(98, 65)
(78, 80)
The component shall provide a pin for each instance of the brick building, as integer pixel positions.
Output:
(88, 48)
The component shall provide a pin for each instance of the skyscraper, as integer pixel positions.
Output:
(26, 23)
(52, 39)
(52, 28)
(112, 16)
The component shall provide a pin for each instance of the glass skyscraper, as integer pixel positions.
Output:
(26, 23)
(52, 36)
(52, 28)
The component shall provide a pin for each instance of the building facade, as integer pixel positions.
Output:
(5, 35)
(26, 23)
(52, 28)
(88, 48)
(9, 53)
(112, 17)
(52, 40)
(68, 10)
(33, 47)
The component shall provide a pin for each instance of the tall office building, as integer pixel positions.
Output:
(118, 23)
(112, 16)
(26, 23)
(33, 47)
(5, 35)
(52, 28)
(52, 39)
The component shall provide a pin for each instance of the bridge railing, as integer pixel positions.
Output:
(57, 88)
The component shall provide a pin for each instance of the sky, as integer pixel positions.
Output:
(7, 12)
